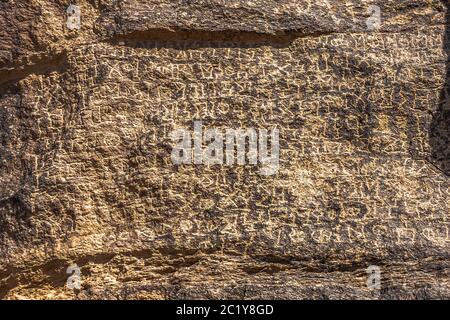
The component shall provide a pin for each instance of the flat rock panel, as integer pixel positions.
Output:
(87, 177)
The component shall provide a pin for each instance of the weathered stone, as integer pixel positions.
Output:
(85, 157)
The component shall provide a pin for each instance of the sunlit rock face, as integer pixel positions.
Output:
(357, 90)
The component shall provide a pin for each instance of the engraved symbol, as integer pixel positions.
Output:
(73, 17)
(374, 278)
(374, 21)
(74, 281)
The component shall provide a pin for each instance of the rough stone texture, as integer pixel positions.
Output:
(86, 175)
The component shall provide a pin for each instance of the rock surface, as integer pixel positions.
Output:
(86, 176)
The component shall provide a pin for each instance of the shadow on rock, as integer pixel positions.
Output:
(440, 125)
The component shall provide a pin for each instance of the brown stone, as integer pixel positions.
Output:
(86, 175)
